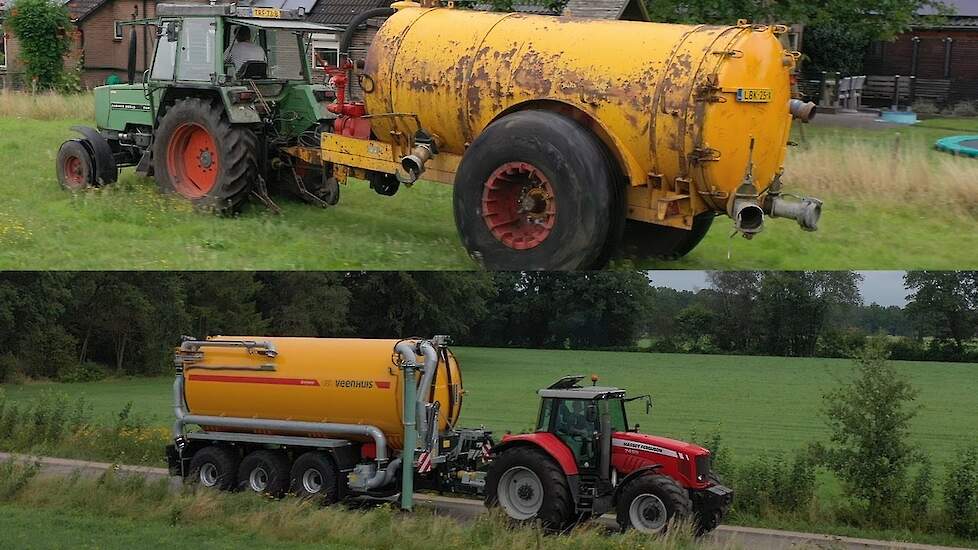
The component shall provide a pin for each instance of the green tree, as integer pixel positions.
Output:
(945, 304)
(394, 304)
(837, 31)
(304, 303)
(961, 492)
(224, 302)
(42, 28)
(869, 423)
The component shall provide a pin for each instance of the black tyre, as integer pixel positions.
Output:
(265, 472)
(529, 486)
(649, 240)
(651, 502)
(200, 155)
(76, 168)
(534, 191)
(315, 476)
(214, 467)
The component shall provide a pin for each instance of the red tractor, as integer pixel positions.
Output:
(583, 461)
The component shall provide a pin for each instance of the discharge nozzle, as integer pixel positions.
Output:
(803, 111)
(805, 210)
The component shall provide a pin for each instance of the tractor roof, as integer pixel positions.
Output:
(229, 10)
(568, 388)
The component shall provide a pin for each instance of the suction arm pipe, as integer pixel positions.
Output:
(183, 417)
(360, 19)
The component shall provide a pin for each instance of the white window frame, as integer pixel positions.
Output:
(117, 31)
(321, 41)
(3, 43)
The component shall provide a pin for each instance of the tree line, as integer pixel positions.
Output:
(80, 325)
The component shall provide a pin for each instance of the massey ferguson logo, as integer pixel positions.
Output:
(635, 446)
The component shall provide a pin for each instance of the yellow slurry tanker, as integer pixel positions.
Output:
(556, 130)
(335, 419)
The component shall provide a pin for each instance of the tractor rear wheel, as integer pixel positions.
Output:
(530, 486)
(651, 502)
(534, 191)
(265, 472)
(315, 475)
(75, 166)
(214, 467)
(649, 240)
(201, 156)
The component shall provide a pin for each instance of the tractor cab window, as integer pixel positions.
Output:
(284, 55)
(575, 423)
(546, 413)
(166, 51)
(196, 49)
(616, 408)
(278, 48)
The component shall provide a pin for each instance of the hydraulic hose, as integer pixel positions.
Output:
(358, 20)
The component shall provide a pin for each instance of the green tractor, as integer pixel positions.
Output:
(230, 87)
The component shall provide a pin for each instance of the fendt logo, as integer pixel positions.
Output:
(362, 384)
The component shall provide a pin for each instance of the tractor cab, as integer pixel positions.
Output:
(575, 414)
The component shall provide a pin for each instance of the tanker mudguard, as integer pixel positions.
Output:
(105, 168)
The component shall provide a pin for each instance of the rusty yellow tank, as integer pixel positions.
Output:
(344, 381)
(676, 105)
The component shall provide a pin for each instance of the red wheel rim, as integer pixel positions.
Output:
(518, 205)
(192, 160)
(74, 174)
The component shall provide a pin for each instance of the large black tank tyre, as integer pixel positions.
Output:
(214, 467)
(265, 472)
(315, 476)
(540, 165)
(649, 503)
(649, 240)
(540, 485)
(200, 155)
(75, 168)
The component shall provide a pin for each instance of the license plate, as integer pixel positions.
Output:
(269, 13)
(754, 95)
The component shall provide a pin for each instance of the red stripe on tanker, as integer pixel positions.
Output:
(254, 380)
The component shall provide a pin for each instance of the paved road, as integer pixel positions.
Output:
(465, 509)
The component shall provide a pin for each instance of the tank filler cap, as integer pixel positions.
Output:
(405, 4)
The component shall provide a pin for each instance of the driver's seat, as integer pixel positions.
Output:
(252, 70)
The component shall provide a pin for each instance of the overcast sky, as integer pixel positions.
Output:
(883, 287)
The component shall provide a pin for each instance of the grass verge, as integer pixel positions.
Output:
(152, 509)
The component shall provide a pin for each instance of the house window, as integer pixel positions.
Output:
(325, 50)
(3, 48)
(117, 36)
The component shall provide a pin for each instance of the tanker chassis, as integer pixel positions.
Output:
(331, 419)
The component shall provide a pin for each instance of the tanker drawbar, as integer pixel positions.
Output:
(336, 419)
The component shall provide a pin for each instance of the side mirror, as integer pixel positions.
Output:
(171, 31)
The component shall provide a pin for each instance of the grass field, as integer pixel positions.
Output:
(875, 196)
(759, 405)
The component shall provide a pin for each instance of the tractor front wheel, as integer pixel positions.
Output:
(650, 503)
(201, 156)
(75, 166)
(529, 487)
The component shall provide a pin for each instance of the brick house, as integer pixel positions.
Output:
(942, 57)
(103, 43)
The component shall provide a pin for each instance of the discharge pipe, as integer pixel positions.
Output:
(358, 20)
(183, 417)
(801, 110)
(805, 210)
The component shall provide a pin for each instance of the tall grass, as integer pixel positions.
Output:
(127, 496)
(47, 106)
(884, 171)
(51, 424)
